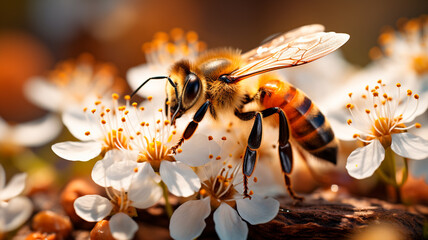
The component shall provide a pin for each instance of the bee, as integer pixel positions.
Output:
(215, 83)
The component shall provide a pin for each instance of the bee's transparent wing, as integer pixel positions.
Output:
(290, 49)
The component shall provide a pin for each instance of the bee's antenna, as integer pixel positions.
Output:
(172, 84)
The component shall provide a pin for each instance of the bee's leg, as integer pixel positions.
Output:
(284, 148)
(191, 127)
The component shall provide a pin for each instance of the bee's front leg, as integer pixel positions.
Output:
(191, 127)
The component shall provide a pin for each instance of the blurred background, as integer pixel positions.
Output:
(34, 35)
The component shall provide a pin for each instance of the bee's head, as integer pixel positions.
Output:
(189, 86)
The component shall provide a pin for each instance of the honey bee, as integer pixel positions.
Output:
(214, 83)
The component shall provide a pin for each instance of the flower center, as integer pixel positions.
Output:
(155, 153)
(115, 139)
(121, 203)
(420, 64)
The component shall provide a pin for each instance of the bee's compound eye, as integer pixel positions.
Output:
(192, 90)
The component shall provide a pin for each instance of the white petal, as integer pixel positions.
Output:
(77, 151)
(120, 174)
(144, 191)
(2, 177)
(409, 146)
(341, 129)
(181, 180)
(228, 224)
(44, 94)
(258, 209)
(410, 114)
(98, 173)
(156, 88)
(78, 124)
(197, 150)
(38, 132)
(188, 221)
(15, 187)
(92, 208)
(122, 227)
(365, 160)
(14, 213)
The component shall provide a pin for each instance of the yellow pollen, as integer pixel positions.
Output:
(123, 119)
(134, 104)
(179, 150)
(138, 133)
(409, 92)
(160, 110)
(255, 179)
(367, 88)
(167, 122)
(383, 102)
(121, 108)
(102, 114)
(168, 102)
(356, 135)
(418, 125)
(174, 132)
(149, 98)
(115, 96)
(375, 94)
(349, 106)
(229, 166)
(367, 111)
(103, 121)
(203, 191)
(97, 102)
(389, 99)
(210, 156)
(158, 121)
(251, 192)
(398, 84)
(350, 94)
(147, 124)
(142, 108)
(379, 81)
(85, 109)
(135, 169)
(127, 97)
(218, 158)
(223, 138)
(131, 137)
(385, 95)
(375, 105)
(364, 96)
(142, 124)
(210, 138)
(120, 129)
(376, 87)
(108, 110)
(87, 133)
(349, 121)
(126, 112)
(416, 96)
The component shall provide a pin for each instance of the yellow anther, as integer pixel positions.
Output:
(107, 110)
(120, 129)
(210, 156)
(123, 119)
(367, 88)
(398, 85)
(349, 106)
(138, 133)
(168, 102)
(210, 138)
(115, 96)
(147, 124)
(179, 150)
(174, 132)
(218, 158)
(418, 125)
(223, 138)
(121, 108)
(85, 109)
(167, 122)
(136, 169)
(191, 36)
(87, 133)
(149, 98)
(364, 96)
(349, 121)
(350, 94)
(134, 104)
(409, 92)
(97, 102)
(131, 137)
(102, 114)
(202, 191)
(367, 111)
(389, 99)
(158, 121)
(376, 87)
(379, 81)
(160, 110)
(142, 108)
(416, 96)
(375, 94)
(251, 192)
(142, 124)
(93, 110)
(230, 154)
(103, 121)
(375, 105)
(127, 97)
(126, 112)
(356, 135)
(229, 166)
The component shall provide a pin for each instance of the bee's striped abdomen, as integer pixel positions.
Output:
(308, 126)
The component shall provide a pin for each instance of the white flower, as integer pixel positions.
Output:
(160, 55)
(14, 210)
(100, 129)
(72, 84)
(221, 192)
(128, 185)
(29, 134)
(378, 118)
